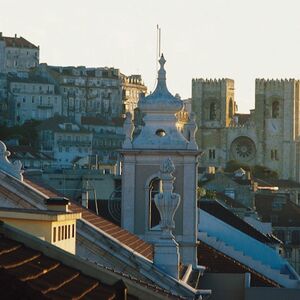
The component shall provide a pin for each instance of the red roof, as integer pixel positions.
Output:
(125, 237)
(29, 274)
(17, 42)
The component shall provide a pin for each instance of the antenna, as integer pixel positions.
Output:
(159, 41)
(158, 47)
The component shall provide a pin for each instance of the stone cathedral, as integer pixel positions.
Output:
(268, 136)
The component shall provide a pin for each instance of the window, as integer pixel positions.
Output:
(231, 112)
(58, 238)
(296, 237)
(154, 215)
(69, 231)
(73, 230)
(212, 111)
(212, 153)
(66, 231)
(54, 234)
(275, 109)
(274, 154)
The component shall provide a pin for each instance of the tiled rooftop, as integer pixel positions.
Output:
(18, 42)
(122, 235)
(44, 278)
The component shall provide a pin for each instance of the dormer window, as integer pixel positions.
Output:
(160, 132)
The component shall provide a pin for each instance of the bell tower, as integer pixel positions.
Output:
(160, 139)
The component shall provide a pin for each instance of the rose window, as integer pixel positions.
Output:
(243, 149)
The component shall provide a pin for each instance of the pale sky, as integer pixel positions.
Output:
(237, 39)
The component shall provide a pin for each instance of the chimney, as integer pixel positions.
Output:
(166, 249)
(58, 204)
(15, 35)
(85, 197)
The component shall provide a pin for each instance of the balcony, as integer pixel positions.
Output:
(45, 106)
(65, 143)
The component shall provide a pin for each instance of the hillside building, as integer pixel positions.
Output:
(17, 54)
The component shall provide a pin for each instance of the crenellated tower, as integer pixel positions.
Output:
(214, 106)
(277, 113)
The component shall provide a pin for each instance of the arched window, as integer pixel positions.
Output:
(231, 112)
(154, 188)
(212, 111)
(275, 109)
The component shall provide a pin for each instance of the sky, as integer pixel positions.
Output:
(237, 39)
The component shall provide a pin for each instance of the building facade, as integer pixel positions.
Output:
(64, 140)
(96, 92)
(32, 97)
(17, 54)
(132, 88)
(268, 136)
(107, 137)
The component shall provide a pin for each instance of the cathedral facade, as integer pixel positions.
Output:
(268, 136)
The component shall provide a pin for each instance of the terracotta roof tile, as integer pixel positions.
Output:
(122, 235)
(35, 268)
(108, 294)
(17, 257)
(18, 42)
(54, 279)
(76, 288)
(48, 191)
(29, 274)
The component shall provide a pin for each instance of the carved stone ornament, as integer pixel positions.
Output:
(167, 202)
(192, 127)
(167, 166)
(128, 128)
(13, 169)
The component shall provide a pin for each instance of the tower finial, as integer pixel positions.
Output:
(162, 61)
(161, 84)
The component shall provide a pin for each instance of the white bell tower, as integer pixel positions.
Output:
(160, 139)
